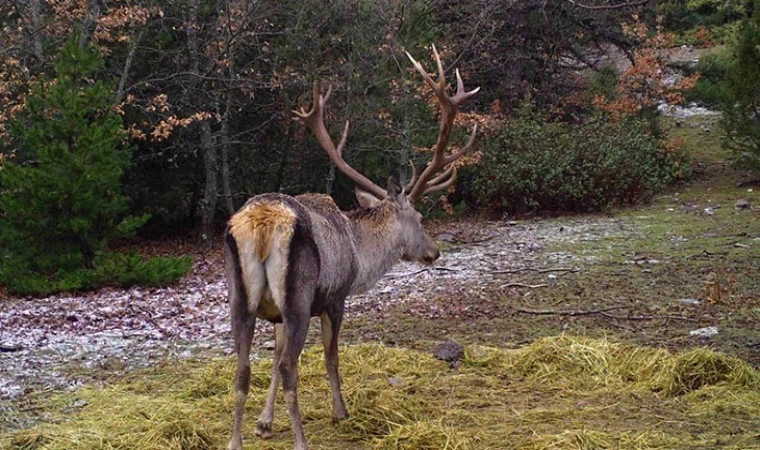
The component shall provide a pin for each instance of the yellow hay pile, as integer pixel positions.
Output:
(558, 393)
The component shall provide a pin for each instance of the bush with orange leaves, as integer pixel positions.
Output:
(648, 83)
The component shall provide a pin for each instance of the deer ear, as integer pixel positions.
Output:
(365, 199)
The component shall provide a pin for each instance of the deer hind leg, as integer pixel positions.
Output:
(292, 286)
(295, 328)
(243, 337)
(264, 424)
(243, 300)
(330, 328)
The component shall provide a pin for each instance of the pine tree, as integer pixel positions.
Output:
(60, 198)
(741, 107)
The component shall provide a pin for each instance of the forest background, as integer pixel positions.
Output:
(124, 118)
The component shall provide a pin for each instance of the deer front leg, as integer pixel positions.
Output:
(264, 424)
(330, 330)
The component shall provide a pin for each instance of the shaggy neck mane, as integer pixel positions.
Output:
(376, 216)
(378, 244)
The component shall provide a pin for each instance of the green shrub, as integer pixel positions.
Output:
(710, 89)
(741, 93)
(688, 17)
(60, 198)
(111, 269)
(535, 165)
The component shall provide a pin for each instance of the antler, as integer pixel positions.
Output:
(426, 182)
(315, 118)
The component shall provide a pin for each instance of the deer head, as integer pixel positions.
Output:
(439, 174)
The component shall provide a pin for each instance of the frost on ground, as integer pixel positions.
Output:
(52, 343)
(109, 328)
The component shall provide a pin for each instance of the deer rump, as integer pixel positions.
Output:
(271, 248)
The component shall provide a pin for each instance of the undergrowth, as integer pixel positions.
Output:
(558, 393)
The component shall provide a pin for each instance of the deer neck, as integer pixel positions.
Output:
(379, 244)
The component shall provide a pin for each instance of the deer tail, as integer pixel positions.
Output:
(257, 230)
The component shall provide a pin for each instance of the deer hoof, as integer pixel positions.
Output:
(339, 416)
(236, 443)
(264, 429)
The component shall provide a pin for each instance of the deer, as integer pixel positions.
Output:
(288, 259)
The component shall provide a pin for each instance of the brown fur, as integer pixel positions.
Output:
(319, 202)
(373, 218)
(259, 223)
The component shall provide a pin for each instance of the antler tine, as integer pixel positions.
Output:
(462, 151)
(410, 184)
(428, 182)
(442, 176)
(443, 185)
(315, 119)
(343, 138)
(441, 73)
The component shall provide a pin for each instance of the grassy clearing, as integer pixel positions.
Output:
(701, 247)
(689, 243)
(557, 393)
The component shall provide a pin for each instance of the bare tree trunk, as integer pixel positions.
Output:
(35, 33)
(91, 17)
(127, 66)
(403, 155)
(211, 187)
(330, 180)
(207, 207)
(226, 117)
(227, 191)
(280, 180)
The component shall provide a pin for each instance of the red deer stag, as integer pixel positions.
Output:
(292, 258)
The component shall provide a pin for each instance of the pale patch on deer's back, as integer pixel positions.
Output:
(263, 232)
(261, 224)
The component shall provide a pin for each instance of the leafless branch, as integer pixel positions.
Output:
(609, 6)
(531, 269)
(604, 312)
(425, 269)
(480, 241)
(571, 312)
(523, 285)
(656, 317)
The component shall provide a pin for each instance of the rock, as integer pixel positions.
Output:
(689, 301)
(268, 345)
(449, 351)
(9, 348)
(445, 237)
(394, 381)
(704, 332)
(743, 203)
